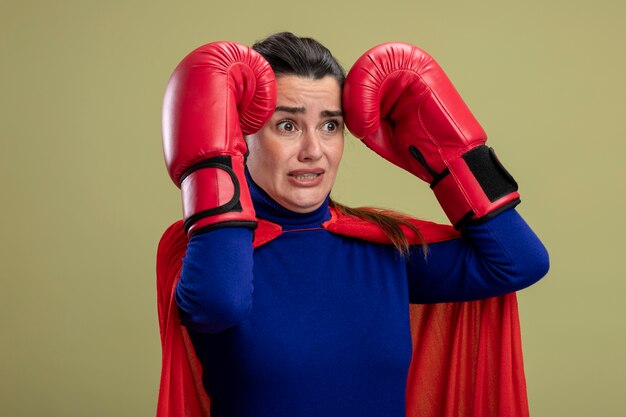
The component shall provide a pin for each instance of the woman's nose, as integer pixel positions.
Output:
(311, 147)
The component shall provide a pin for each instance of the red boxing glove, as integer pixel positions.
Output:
(402, 105)
(218, 93)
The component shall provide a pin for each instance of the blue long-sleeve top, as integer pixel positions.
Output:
(314, 323)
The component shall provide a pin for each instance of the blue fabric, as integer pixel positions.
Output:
(499, 256)
(314, 324)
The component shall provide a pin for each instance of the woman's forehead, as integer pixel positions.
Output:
(298, 94)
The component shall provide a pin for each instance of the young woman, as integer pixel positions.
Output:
(292, 304)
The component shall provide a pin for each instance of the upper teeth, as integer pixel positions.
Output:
(306, 176)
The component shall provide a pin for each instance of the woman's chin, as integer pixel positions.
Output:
(304, 202)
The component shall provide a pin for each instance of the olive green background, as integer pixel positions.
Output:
(85, 194)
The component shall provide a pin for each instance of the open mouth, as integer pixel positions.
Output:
(304, 177)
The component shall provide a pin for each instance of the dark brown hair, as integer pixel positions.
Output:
(389, 221)
(289, 54)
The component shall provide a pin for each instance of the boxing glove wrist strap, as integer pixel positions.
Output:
(475, 187)
(213, 197)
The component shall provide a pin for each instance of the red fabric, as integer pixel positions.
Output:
(467, 360)
(467, 357)
(180, 393)
(343, 224)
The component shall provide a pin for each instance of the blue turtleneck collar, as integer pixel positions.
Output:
(268, 209)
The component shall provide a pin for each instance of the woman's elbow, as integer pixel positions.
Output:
(533, 268)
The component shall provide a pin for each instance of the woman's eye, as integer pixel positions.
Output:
(331, 126)
(286, 126)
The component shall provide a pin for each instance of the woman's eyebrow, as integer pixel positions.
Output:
(301, 110)
(288, 109)
(331, 113)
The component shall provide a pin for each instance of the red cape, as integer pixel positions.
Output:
(467, 357)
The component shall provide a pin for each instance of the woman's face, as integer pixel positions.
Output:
(295, 156)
